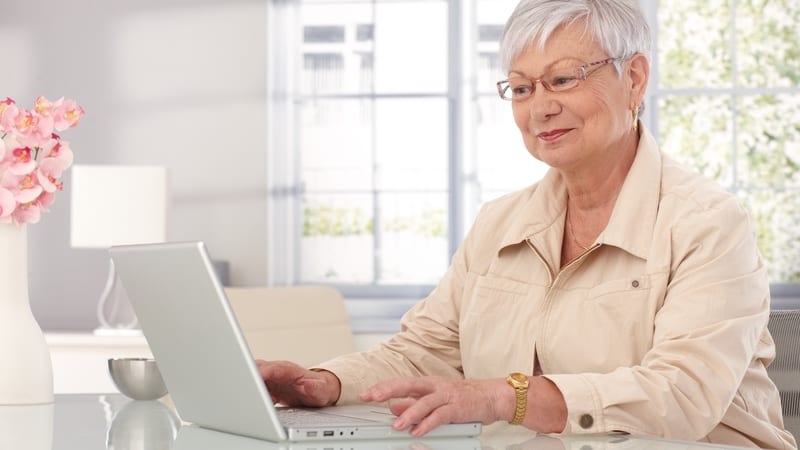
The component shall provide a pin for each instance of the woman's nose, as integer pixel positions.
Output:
(543, 105)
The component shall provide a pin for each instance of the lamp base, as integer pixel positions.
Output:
(114, 311)
(132, 332)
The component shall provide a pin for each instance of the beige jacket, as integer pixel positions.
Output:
(658, 329)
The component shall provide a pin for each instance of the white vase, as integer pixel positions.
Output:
(26, 377)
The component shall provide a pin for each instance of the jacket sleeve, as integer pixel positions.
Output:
(427, 344)
(707, 334)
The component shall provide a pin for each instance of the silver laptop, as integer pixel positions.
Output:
(191, 437)
(206, 363)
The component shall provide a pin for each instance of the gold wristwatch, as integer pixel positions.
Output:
(519, 381)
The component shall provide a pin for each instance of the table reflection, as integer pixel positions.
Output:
(102, 422)
(28, 427)
(142, 425)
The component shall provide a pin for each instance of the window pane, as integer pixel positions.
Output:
(337, 48)
(697, 131)
(776, 215)
(491, 17)
(339, 246)
(413, 241)
(408, 62)
(494, 12)
(769, 141)
(337, 243)
(766, 38)
(411, 143)
(411, 38)
(323, 73)
(323, 33)
(504, 164)
(365, 32)
(336, 144)
(704, 59)
(345, 147)
(488, 66)
(490, 33)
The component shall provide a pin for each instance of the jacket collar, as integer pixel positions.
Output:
(631, 223)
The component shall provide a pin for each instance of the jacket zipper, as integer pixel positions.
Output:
(552, 282)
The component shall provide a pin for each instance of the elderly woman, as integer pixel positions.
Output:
(620, 292)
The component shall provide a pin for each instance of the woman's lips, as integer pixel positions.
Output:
(550, 136)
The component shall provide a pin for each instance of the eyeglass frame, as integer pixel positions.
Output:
(584, 74)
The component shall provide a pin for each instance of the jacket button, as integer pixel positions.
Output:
(635, 283)
(586, 421)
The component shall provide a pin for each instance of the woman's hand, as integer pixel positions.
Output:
(427, 402)
(293, 385)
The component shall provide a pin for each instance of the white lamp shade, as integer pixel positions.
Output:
(116, 205)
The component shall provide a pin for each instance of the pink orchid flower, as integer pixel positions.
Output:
(67, 114)
(24, 187)
(8, 110)
(27, 213)
(48, 174)
(32, 157)
(7, 205)
(58, 149)
(45, 200)
(31, 212)
(33, 129)
(43, 106)
(21, 161)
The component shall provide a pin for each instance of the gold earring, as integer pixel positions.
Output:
(635, 114)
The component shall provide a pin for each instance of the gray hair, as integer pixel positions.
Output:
(618, 26)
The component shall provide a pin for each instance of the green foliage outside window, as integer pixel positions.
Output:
(729, 105)
(325, 220)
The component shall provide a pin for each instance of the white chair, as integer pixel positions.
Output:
(303, 324)
(784, 325)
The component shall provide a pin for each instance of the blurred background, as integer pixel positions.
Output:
(351, 142)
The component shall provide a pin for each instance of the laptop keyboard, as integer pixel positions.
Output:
(291, 417)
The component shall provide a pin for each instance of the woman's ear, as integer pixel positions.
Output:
(639, 73)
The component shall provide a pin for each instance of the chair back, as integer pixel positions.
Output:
(303, 324)
(784, 325)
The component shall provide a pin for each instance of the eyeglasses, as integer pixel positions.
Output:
(520, 89)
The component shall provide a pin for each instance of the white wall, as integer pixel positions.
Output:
(179, 83)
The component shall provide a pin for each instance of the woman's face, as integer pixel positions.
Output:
(580, 127)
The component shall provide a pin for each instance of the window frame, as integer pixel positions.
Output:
(285, 187)
(372, 305)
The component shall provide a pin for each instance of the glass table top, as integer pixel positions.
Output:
(112, 421)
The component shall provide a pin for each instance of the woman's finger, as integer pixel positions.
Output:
(400, 388)
(398, 405)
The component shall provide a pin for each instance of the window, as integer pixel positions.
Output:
(731, 108)
(384, 142)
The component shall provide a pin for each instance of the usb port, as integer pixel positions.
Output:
(311, 433)
(327, 433)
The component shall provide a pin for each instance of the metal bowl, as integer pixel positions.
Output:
(137, 378)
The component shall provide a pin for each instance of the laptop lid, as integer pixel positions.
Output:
(195, 338)
(205, 361)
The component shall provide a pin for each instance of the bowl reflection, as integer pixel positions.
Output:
(143, 425)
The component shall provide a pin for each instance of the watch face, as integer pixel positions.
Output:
(519, 377)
